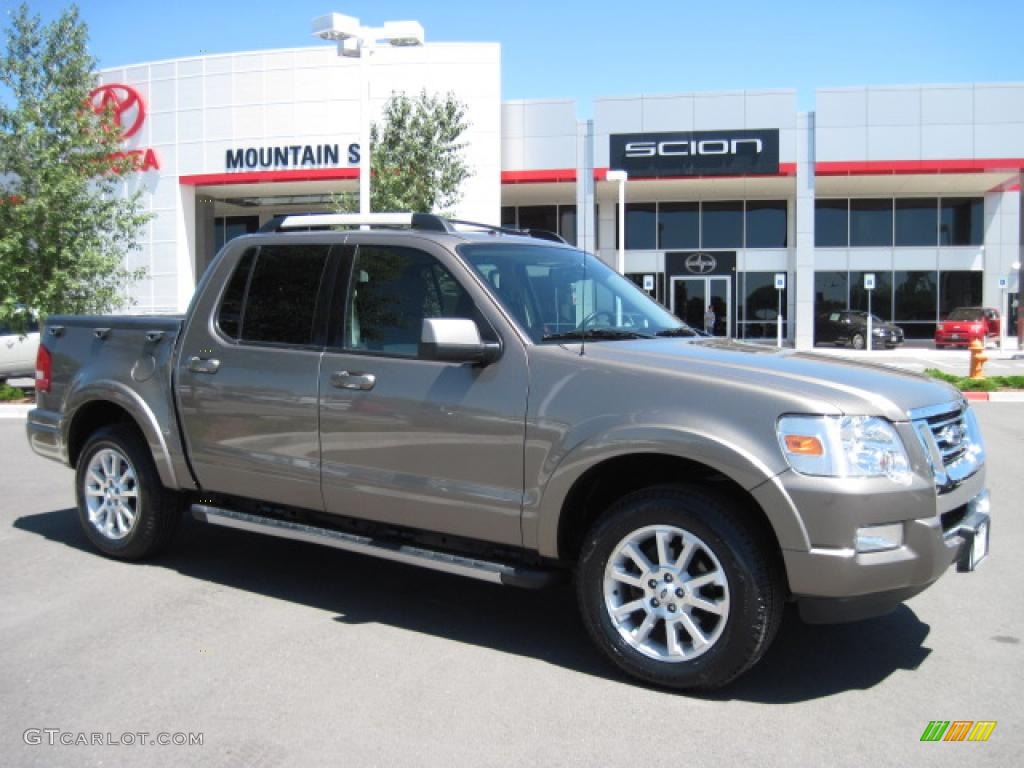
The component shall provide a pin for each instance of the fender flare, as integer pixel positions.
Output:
(731, 460)
(118, 394)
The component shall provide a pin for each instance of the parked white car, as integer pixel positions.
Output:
(18, 351)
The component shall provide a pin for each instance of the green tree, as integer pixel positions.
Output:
(67, 220)
(417, 161)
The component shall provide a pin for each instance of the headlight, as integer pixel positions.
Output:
(844, 446)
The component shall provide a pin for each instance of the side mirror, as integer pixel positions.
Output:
(456, 340)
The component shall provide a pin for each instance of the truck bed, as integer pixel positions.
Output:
(127, 360)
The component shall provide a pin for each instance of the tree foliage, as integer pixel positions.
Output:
(417, 161)
(66, 219)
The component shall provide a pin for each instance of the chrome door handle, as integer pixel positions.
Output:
(346, 380)
(199, 365)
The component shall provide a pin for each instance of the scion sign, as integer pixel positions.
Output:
(695, 153)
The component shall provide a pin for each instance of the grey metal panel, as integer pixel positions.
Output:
(999, 140)
(719, 111)
(841, 143)
(894, 106)
(618, 115)
(952, 105)
(840, 107)
(549, 118)
(667, 113)
(1002, 103)
(550, 151)
(940, 142)
(771, 109)
(512, 119)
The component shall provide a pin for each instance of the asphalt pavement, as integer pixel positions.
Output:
(283, 654)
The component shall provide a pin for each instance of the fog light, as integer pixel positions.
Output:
(877, 538)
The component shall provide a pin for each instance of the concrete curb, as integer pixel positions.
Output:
(15, 410)
(995, 397)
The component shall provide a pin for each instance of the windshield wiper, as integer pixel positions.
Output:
(594, 333)
(682, 330)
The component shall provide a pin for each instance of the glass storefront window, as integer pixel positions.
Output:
(567, 223)
(678, 226)
(830, 291)
(881, 296)
(871, 222)
(508, 216)
(961, 221)
(759, 309)
(539, 217)
(831, 223)
(916, 221)
(227, 228)
(641, 232)
(766, 224)
(915, 297)
(721, 225)
(958, 289)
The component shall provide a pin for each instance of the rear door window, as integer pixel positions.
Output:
(272, 296)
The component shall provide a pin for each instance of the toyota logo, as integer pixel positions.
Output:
(700, 263)
(126, 104)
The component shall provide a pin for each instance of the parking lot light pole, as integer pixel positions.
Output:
(356, 41)
(622, 177)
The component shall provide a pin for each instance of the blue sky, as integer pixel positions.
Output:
(574, 49)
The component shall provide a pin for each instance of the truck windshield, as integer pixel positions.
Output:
(555, 298)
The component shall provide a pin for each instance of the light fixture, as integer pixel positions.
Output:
(356, 41)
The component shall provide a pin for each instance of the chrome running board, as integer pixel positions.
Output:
(461, 565)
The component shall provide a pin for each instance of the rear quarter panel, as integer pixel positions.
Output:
(110, 359)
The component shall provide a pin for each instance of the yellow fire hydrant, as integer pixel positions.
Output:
(978, 358)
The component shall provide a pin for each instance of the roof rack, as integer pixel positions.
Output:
(423, 222)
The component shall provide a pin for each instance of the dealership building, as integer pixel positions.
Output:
(736, 199)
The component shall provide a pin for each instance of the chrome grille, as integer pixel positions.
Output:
(950, 433)
(950, 441)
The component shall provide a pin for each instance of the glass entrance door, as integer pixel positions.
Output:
(691, 297)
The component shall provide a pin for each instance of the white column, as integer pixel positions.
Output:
(1002, 247)
(801, 257)
(586, 212)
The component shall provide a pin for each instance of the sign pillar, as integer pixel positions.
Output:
(869, 286)
(780, 286)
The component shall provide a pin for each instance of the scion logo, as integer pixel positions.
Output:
(695, 153)
(129, 111)
(700, 263)
(688, 148)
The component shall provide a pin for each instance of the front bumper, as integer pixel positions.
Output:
(850, 586)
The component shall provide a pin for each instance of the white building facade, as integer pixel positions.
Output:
(734, 199)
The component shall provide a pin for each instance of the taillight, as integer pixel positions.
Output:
(44, 369)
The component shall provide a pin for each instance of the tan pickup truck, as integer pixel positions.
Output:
(507, 408)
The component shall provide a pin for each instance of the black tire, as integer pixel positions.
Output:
(756, 593)
(157, 509)
(857, 341)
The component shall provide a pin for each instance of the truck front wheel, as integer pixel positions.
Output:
(124, 509)
(678, 589)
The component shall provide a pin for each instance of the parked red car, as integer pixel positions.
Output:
(965, 324)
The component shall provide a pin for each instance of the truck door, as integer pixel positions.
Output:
(429, 445)
(247, 374)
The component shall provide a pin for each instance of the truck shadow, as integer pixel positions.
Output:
(805, 663)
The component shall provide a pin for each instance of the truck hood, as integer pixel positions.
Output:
(850, 387)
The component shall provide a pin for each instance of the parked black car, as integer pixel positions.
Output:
(851, 327)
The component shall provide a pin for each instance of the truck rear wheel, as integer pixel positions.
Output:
(124, 509)
(677, 589)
